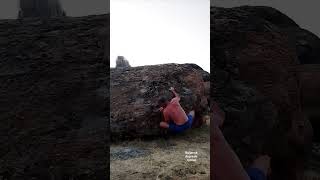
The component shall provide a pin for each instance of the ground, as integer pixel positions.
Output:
(162, 159)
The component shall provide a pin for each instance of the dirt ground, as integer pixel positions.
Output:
(163, 159)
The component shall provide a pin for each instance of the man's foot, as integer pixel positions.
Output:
(192, 113)
(164, 125)
(263, 164)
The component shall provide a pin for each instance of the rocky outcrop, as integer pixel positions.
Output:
(40, 9)
(135, 93)
(255, 80)
(122, 62)
(53, 98)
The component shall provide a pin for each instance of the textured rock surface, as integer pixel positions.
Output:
(40, 8)
(53, 98)
(135, 92)
(255, 80)
(122, 62)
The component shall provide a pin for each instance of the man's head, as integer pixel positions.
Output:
(163, 101)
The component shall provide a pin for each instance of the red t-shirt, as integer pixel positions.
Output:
(174, 112)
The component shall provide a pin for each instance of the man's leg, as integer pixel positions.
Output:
(171, 126)
(191, 116)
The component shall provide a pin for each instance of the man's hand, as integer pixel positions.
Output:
(160, 109)
(176, 95)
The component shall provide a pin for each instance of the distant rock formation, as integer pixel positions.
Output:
(122, 62)
(40, 9)
(54, 98)
(135, 92)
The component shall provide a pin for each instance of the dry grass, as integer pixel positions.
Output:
(165, 159)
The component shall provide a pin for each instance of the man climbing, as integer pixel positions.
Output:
(174, 117)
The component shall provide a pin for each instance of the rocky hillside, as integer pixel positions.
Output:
(53, 98)
(256, 57)
(135, 92)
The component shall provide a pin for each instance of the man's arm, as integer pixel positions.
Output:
(226, 163)
(176, 95)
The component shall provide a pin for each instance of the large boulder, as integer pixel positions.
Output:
(135, 93)
(255, 80)
(40, 9)
(54, 98)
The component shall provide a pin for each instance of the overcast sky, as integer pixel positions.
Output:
(150, 32)
(304, 13)
(9, 8)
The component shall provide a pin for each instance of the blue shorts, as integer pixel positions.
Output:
(180, 128)
(256, 174)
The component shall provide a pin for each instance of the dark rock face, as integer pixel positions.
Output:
(309, 76)
(122, 62)
(256, 81)
(40, 9)
(53, 98)
(135, 92)
(267, 19)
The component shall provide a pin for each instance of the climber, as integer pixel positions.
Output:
(174, 117)
(227, 164)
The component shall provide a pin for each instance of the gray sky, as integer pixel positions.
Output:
(9, 8)
(304, 13)
(150, 32)
(192, 39)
